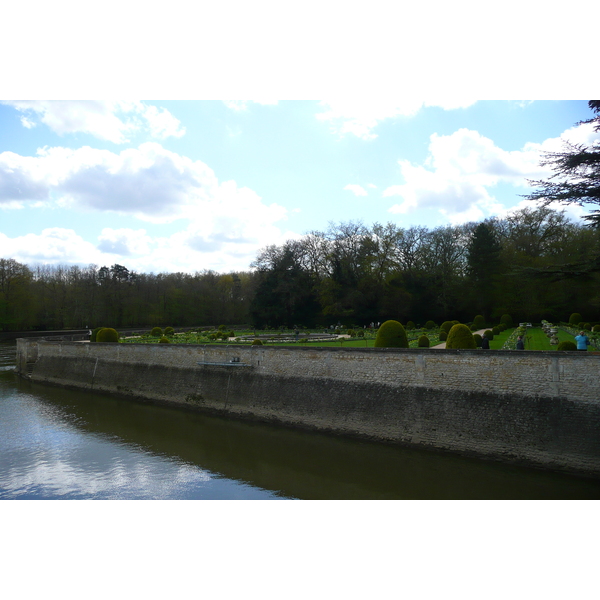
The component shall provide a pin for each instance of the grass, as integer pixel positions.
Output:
(535, 339)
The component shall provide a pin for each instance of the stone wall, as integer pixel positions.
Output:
(537, 408)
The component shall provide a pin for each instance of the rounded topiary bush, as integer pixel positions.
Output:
(575, 319)
(478, 322)
(460, 337)
(443, 336)
(169, 331)
(446, 326)
(164, 340)
(596, 328)
(496, 330)
(586, 326)
(489, 334)
(95, 334)
(477, 339)
(351, 333)
(430, 325)
(567, 346)
(423, 342)
(391, 334)
(360, 333)
(107, 334)
(231, 333)
(506, 320)
(410, 325)
(156, 331)
(257, 342)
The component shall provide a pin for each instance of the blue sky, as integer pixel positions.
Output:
(162, 186)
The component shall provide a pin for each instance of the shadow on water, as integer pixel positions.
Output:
(299, 464)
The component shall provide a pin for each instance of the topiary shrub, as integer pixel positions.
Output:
(460, 337)
(496, 330)
(446, 326)
(507, 321)
(231, 334)
(107, 334)
(489, 334)
(430, 325)
(351, 333)
(156, 332)
(478, 322)
(575, 319)
(303, 340)
(410, 325)
(212, 336)
(221, 327)
(596, 328)
(257, 342)
(360, 333)
(164, 340)
(423, 342)
(391, 334)
(443, 336)
(169, 331)
(95, 333)
(477, 339)
(586, 326)
(567, 346)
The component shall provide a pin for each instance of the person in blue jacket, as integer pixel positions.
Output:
(583, 341)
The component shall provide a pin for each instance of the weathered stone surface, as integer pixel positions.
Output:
(538, 408)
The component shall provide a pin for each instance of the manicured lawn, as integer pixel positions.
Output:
(498, 341)
(536, 339)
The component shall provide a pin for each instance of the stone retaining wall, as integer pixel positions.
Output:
(536, 408)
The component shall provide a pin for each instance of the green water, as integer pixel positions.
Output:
(63, 444)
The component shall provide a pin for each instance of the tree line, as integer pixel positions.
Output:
(350, 274)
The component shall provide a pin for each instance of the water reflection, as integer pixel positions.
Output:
(59, 443)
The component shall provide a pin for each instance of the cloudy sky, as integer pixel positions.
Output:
(382, 119)
(192, 185)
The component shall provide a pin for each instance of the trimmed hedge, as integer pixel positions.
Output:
(391, 334)
(156, 331)
(568, 346)
(423, 342)
(107, 334)
(460, 337)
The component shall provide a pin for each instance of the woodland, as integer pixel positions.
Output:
(533, 264)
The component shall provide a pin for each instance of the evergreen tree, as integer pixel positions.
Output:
(576, 178)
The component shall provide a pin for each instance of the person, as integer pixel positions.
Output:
(520, 343)
(583, 341)
(485, 343)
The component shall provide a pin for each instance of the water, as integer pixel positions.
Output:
(63, 444)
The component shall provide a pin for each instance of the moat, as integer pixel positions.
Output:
(64, 444)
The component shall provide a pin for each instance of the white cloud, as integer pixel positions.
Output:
(359, 116)
(457, 177)
(222, 225)
(107, 120)
(54, 244)
(357, 190)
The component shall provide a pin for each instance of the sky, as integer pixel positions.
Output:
(167, 186)
(406, 115)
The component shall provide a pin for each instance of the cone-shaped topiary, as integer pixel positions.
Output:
(460, 337)
(164, 340)
(446, 326)
(107, 334)
(423, 342)
(478, 322)
(391, 334)
(567, 346)
(575, 319)
(156, 331)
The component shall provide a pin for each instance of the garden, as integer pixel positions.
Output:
(542, 336)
